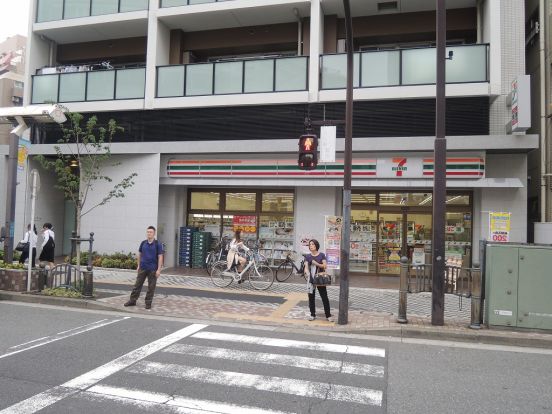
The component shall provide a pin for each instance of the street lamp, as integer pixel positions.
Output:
(343, 318)
(20, 117)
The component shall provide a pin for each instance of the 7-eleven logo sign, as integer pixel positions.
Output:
(399, 166)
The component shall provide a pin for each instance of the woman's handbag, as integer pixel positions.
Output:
(322, 279)
(21, 247)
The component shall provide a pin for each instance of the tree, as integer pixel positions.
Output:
(78, 165)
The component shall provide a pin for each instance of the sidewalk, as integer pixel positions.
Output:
(371, 311)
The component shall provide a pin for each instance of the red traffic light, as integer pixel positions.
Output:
(308, 152)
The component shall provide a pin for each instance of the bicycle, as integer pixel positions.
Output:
(260, 275)
(217, 254)
(286, 268)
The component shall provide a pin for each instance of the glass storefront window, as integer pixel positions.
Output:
(277, 202)
(363, 240)
(241, 201)
(405, 199)
(363, 198)
(204, 200)
(206, 222)
(458, 200)
(276, 236)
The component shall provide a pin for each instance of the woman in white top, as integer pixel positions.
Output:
(233, 253)
(31, 238)
(48, 245)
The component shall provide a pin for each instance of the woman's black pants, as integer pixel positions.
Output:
(325, 301)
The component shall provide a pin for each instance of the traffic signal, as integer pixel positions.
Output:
(308, 152)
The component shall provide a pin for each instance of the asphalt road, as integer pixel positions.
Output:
(55, 360)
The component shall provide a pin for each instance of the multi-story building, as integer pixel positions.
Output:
(538, 52)
(213, 96)
(12, 79)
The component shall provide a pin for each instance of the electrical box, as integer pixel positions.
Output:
(518, 286)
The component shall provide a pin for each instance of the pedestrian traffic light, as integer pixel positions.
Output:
(308, 152)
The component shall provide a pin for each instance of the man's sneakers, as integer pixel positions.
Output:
(148, 305)
(312, 318)
(328, 318)
(130, 303)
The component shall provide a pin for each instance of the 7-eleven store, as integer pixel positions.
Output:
(275, 202)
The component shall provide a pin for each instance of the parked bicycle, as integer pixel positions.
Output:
(260, 275)
(218, 253)
(288, 268)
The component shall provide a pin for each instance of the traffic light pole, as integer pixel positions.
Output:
(439, 175)
(343, 318)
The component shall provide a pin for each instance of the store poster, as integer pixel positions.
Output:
(361, 251)
(22, 153)
(418, 256)
(303, 243)
(332, 240)
(247, 224)
(499, 227)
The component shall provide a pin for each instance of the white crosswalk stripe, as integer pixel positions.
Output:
(300, 388)
(278, 375)
(287, 343)
(278, 359)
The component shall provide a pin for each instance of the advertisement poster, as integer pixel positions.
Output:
(332, 240)
(303, 243)
(22, 153)
(418, 256)
(361, 251)
(499, 227)
(247, 224)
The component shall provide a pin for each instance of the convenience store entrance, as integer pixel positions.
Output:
(387, 226)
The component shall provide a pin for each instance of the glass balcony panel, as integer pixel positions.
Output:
(468, 64)
(259, 76)
(134, 5)
(199, 79)
(131, 83)
(418, 66)
(76, 8)
(200, 1)
(173, 3)
(72, 87)
(291, 74)
(334, 71)
(101, 85)
(228, 77)
(49, 10)
(170, 81)
(100, 7)
(381, 68)
(45, 89)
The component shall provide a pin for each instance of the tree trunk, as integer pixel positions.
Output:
(77, 230)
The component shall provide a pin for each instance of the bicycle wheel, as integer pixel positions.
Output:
(219, 275)
(261, 277)
(210, 261)
(284, 271)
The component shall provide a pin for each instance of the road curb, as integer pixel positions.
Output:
(484, 336)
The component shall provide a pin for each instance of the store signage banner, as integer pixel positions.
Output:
(328, 138)
(499, 227)
(332, 240)
(400, 167)
(247, 224)
(23, 153)
(521, 104)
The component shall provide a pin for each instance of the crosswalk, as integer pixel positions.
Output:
(204, 369)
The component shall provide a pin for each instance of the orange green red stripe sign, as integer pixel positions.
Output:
(264, 168)
(458, 167)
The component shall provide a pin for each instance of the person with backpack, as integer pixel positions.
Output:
(150, 262)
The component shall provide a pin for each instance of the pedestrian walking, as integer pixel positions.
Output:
(30, 239)
(48, 245)
(315, 262)
(150, 262)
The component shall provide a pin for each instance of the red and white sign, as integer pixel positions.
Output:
(247, 224)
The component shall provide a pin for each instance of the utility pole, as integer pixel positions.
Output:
(11, 188)
(343, 318)
(439, 174)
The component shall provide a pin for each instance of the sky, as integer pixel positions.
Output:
(14, 16)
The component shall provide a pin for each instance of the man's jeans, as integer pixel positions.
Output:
(140, 279)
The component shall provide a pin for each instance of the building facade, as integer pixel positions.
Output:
(213, 96)
(12, 79)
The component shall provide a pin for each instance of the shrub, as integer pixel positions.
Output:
(13, 266)
(117, 260)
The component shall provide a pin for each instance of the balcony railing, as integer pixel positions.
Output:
(402, 67)
(50, 10)
(173, 3)
(236, 77)
(101, 85)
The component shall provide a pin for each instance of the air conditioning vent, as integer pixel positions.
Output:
(387, 6)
